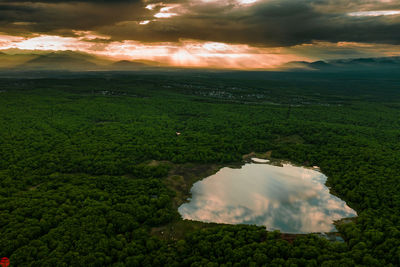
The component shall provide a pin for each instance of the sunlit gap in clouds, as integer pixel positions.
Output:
(165, 11)
(89, 35)
(246, 2)
(45, 42)
(229, 2)
(144, 22)
(192, 53)
(374, 13)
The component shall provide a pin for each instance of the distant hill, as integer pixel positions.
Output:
(127, 65)
(65, 60)
(28, 60)
(57, 61)
(356, 64)
(12, 61)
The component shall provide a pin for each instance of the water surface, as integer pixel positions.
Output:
(289, 198)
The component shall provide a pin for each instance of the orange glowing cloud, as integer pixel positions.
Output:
(195, 53)
(186, 53)
(374, 13)
(191, 53)
(44, 42)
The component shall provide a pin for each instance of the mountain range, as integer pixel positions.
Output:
(352, 64)
(25, 60)
(66, 60)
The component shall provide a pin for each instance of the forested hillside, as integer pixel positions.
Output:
(77, 189)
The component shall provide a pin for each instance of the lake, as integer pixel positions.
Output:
(289, 198)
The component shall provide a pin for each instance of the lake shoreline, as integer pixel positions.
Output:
(182, 177)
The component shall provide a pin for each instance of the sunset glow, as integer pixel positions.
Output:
(240, 34)
(187, 53)
(116, 115)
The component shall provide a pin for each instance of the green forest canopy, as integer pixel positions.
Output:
(75, 188)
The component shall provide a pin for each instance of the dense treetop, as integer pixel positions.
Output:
(76, 187)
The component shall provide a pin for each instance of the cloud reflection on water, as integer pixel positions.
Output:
(291, 199)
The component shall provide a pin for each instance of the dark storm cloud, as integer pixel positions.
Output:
(70, 1)
(62, 17)
(270, 23)
(265, 23)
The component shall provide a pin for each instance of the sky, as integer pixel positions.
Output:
(242, 34)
